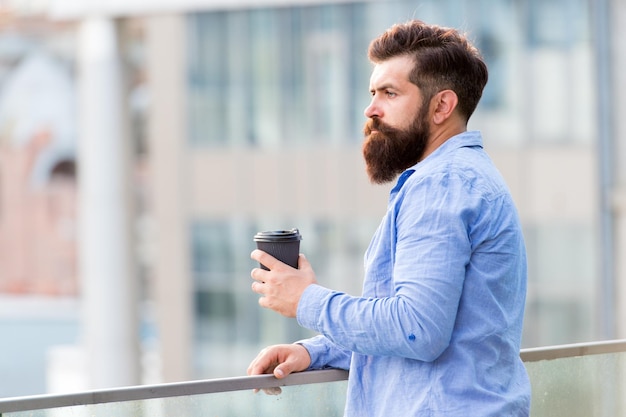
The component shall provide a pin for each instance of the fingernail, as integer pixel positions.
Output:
(279, 373)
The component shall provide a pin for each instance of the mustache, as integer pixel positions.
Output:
(375, 124)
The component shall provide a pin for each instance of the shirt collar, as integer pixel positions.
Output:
(403, 177)
(466, 139)
(462, 140)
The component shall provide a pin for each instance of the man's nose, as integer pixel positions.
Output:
(373, 110)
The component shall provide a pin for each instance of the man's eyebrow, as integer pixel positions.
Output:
(385, 86)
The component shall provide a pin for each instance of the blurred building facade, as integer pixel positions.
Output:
(38, 275)
(248, 117)
(38, 181)
(269, 102)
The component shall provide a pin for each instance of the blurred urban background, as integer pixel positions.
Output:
(143, 143)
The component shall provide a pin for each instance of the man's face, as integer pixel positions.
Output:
(397, 129)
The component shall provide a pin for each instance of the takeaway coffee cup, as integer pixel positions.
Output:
(283, 245)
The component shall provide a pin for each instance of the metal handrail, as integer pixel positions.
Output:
(177, 389)
(571, 350)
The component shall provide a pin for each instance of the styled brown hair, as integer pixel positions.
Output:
(444, 60)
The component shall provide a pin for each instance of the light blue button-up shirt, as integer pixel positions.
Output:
(437, 331)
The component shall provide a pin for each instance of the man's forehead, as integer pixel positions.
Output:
(392, 71)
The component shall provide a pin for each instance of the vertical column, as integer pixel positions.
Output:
(166, 63)
(602, 41)
(110, 324)
(618, 54)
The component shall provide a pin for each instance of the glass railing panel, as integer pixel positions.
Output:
(325, 399)
(307, 400)
(585, 380)
(592, 385)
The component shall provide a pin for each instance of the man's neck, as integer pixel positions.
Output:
(440, 134)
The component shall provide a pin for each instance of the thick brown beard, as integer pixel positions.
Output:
(389, 151)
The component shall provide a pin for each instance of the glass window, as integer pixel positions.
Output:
(559, 72)
(557, 23)
(274, 77)
(208, 77)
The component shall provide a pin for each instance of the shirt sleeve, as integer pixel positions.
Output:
(326, 354)
(424, 269)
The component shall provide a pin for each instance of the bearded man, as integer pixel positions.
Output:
(437, 329)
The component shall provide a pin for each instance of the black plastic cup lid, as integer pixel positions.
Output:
(278, 236)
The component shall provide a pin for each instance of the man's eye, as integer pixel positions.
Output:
(390, 94)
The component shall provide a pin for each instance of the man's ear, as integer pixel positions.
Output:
(444, 103)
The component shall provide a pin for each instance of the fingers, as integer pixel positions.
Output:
(265, 258)
(258, 286)
(284, 369)
(281, 286)
(297, 361)
(271, 391)
(264, 363)
(259, 276)
(303, 262)
(279, 360)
